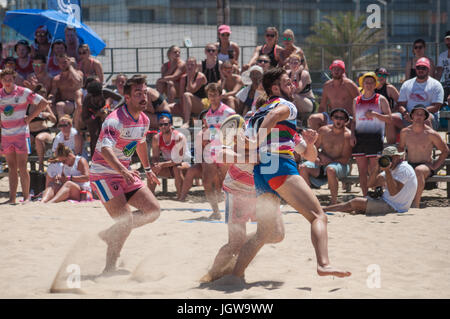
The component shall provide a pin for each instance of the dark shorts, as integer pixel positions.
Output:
(368, 144)
(414, 165)
(34, 134)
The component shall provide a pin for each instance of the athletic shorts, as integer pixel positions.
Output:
(272, 174)
(110, 186)
(19, 144)
(378, 207)
(239, 209)
(340, 169)
(368, 144)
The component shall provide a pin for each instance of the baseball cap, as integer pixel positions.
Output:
(224, 29)
(339, 64)
(382, 71)
(422, 107)
(423, 62)
(391, 151)
(447, 35)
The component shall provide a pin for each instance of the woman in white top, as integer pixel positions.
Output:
(75, 178)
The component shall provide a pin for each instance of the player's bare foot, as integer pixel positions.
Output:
(215, 216)
(231, 280)
(206, 278)
(331, 271)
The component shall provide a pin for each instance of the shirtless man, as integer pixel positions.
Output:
(338, 92)
(40, 74)
(116, 184)
(88, 65)
(332, 161)
(231, 83)
(66, 93)
(419, 140)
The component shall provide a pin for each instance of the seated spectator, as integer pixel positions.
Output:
(398, 182)
(66, 94)
(422, 89)
(227, 50)
(443, 67)
(172, 146)
(304, 98)
(74, 181)
(119, 83)
(88, 64)
(171, 73)
(270, 48)
(193, 89)
(419, 140)
(42, 41)
(248, 95)
(419, 48)
(210, 66)
(157, 104)
(264, 62)
(39, 130)
(230, 83)
(40, 74)
(289, 49)
(95, 109)
(10, 63)
(72, 42)
(391, 94)
(334, 156)
(58, 48)
(15, 140)
(371, 111)
(24, 63)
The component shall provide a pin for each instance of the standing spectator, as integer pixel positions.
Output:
(88, 65)
(95, 109)
(422, 89)
(66, 93)
(24, 63)
(40, 74)
(391, 94)
(227, 50)
(171, 73)
(42, 39)
(72, 42)
(75, 178)
(15, 136)
(288, 40)
(230, 83)
(419, 47)
(210, 66)
(304, 98)
(39, 130)
(270, 48)
(334, 156)
(172, 145)
(371, 111)
(193, 85)
(58, 48)
(443, 67)
(420, 140)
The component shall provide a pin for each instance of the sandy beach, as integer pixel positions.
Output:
(393, 256)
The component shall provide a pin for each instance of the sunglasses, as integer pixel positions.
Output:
(211, 50)
(64, 125)
(37, 65)
(41, 34)
(343, 118)
(270, 35)
(418, 47)
(287, 39)
(382, 75)
(263, 61)
(164, 124)
(82, 52)
(423, 68)
(225, 34)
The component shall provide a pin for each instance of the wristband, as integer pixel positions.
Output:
(148, 169)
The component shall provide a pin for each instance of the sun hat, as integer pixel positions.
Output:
(421, 107)
(392, 151)
(368, 74)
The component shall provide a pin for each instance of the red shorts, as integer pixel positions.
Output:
(109, 186)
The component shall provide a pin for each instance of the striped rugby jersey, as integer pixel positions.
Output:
(283, 137)
(122, 133)
(13, 109)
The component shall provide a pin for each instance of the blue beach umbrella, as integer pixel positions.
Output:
(27, 21)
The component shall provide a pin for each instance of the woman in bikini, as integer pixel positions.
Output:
(270, 48)
(227, 50)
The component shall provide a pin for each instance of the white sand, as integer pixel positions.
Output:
(166, 259)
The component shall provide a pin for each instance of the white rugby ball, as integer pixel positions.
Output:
(230, 128)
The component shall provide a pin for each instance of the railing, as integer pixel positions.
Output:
(358, 58)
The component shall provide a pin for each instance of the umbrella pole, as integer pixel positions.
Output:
(53, 39)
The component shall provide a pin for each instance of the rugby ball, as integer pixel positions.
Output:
(230, 128)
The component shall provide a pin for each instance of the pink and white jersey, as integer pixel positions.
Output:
(214, 119)
(364, 124)
(239, 180)
(122, 133)
(13, 109)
